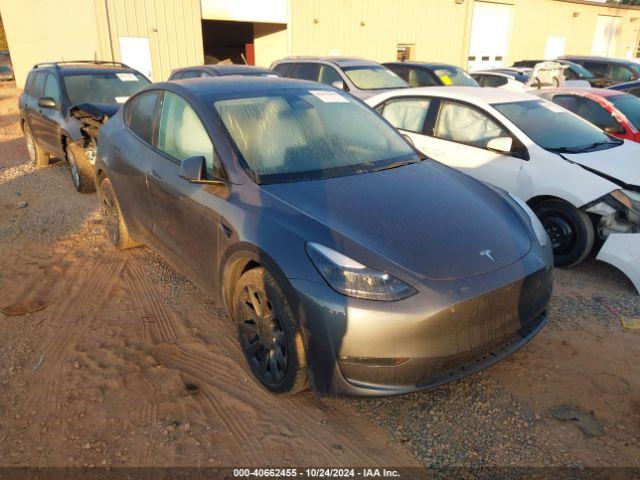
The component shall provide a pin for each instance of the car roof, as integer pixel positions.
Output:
(596, 58)
(416, 63)
(226, 68)
(473, 95)
(83, 67)
(601, 92)
(339, 61)
(207, 86)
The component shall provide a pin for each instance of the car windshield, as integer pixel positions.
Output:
(629, 105)
(454, 76)
(374, 77)
(552, 127)
(295, 135)
(581, 71)
(103, 87)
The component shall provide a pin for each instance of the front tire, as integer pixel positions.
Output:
(112, 217)
(80, 168)
(570, 230)
(269, 334)
(37, 155)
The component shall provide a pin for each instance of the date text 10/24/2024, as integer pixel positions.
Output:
(316, 472)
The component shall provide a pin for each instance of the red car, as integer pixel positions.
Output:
(615, 112)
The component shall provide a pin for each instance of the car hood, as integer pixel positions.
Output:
(99, 111)
(425, 218)
(619, 163)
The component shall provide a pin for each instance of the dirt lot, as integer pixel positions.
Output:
(115, 359)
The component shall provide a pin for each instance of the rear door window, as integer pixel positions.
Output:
(493, 81)
(28, 85)
(407, 113)
(141, 113)
(418, 77)
(305, 71)
(597, 68)
(191, 74)
(329, 75)
(282, 69)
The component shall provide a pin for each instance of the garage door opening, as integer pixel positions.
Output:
(224, 40)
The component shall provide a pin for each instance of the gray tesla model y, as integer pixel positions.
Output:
(347, 261)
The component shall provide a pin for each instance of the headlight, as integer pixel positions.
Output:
(628, 198)
(353, 279)
(538, 229)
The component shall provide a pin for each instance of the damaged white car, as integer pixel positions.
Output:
(581, 182)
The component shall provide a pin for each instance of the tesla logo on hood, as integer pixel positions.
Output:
(487, 253)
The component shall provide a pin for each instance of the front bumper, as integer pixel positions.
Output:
(448, 330)
(622, 250)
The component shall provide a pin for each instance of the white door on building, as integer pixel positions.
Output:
(490, 30)
(136, 52)
(605, 40)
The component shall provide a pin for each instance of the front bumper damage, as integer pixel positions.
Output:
(622, 250)
(620, 230)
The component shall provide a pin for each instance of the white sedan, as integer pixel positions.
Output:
(580, 181)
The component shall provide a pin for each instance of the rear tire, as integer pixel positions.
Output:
(570, 230)
(112, 217)
(80, 168)
(37, 155)
(269, 334)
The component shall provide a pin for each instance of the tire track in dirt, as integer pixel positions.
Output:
(254, 423)
(75, 312)
(150, 307)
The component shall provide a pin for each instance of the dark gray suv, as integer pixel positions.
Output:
(361, 78)
(63, 105)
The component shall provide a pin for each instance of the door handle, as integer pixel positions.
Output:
(156, 175)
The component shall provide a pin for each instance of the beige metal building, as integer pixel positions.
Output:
(156, 36)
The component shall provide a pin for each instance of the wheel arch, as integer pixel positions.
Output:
(241, 258)
(538, 199)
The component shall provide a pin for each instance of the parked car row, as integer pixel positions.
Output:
(362, 248)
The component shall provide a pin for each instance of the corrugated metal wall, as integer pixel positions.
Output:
(373, 28)
(535, 20)
(439, 29)
(173, 27)
(47, 31)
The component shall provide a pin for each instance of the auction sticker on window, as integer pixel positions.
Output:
(127, 77)
(327, 96)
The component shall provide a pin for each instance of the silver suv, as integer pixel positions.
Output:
(361, 78)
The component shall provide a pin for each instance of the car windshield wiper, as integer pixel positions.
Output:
(604, 142)
(587, 148)
(397, 164)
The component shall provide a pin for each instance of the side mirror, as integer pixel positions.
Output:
(500, 144)
(47, 102)
(193, 170)
(339, 84)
